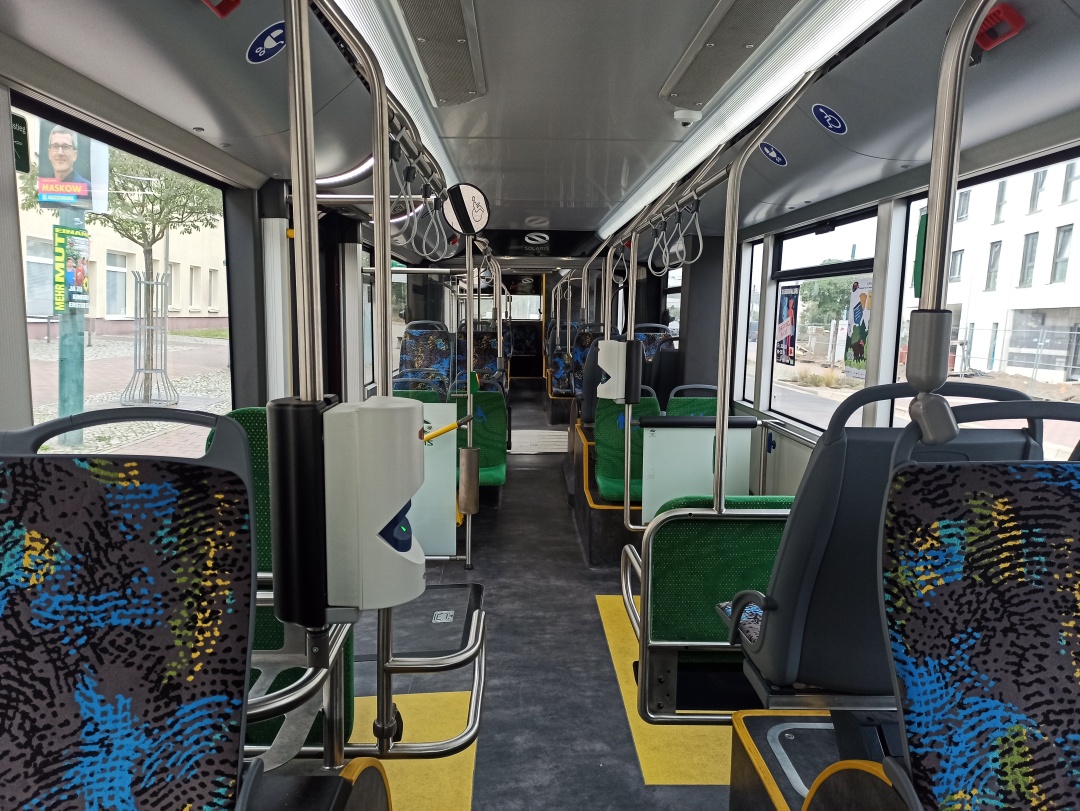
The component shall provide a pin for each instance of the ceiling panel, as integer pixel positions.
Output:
(178, 60)
(885, 93)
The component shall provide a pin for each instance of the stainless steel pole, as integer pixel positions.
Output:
(385, 722)
(305, 209)
(631, 315)
(380, 186)
(469, 347)
(334, 714)
(727, 295)
(945, 150)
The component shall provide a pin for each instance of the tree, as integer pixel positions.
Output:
(822, 300)
(145, 201)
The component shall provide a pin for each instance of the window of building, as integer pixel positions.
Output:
(39, 278)
(172, 282)
(822, 327)
(108, 267)
(963, 200)
(116, 274)
(1027, 263)
(992, 266)
(999, 206)
(194, 285)
(1062, 241)
(1067, 195)
(1038, 181)
(211, 289)
(956, 265)
(752, 279)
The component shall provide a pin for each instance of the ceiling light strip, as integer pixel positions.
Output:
(814, 37)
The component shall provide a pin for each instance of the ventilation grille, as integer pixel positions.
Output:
(444, 35)
(720, 49)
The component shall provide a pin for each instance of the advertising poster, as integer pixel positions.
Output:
(787, 314)
(69, 164)
(858, 317)
(71, 282)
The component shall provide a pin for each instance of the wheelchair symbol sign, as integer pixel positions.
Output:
(830, 119)
(268, 44)
(773, 154)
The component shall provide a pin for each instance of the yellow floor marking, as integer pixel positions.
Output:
(679, 755)
(440, 784)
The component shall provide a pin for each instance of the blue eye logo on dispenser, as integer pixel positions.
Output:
(773, 154)
(829, 119)
(398, 533)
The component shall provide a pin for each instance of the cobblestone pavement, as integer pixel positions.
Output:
(198, 367)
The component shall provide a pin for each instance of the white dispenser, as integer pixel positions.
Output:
(374, 462)
(611, 358)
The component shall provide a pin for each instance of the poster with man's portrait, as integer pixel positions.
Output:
(69, 163)
(787, 317)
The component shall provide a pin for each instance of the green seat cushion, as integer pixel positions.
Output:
(698, 562)
(691, 407)
(610, 439)
(423, 395)
(489, 432)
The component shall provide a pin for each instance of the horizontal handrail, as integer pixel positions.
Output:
(303, 689)
(452, 661)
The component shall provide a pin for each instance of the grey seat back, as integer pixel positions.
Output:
(824, 629)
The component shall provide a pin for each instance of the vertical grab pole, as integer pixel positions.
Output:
(305, 208)
(469, 341)
(931, 324)
(628, 408)
(309, 319)
(727, 295)
(500, 364)
(385, 722)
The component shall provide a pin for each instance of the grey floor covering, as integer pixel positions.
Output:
(553, 733)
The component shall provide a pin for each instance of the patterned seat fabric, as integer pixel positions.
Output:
(125, 592)
(426, 349)
(579, 353)
(980, 569)
(562, 378)
(422, 380)
(485, 354)
(750, 622)
(650, 342)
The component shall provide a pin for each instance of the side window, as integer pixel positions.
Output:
(1016, 325)
(752, 278)
(114, 315)
(823, 317)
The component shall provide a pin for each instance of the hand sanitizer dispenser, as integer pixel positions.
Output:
(374, 461)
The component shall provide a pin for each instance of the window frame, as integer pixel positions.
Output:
(956, 265)
(993, 265)
(194, 287)
(119, 270)
(1068, 183)
(1027, 262)
(1002, 199)
(1058, 261)
(963, 204)
(1038, 186)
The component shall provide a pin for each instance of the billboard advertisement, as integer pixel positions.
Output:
(73, 170)
(858, 317)
(787, 315)
(71, 282)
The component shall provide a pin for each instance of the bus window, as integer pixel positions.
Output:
(753, 280)
(1016, 301)
(822, 320)
(141, 316)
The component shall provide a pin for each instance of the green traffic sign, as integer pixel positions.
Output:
(22, 143)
